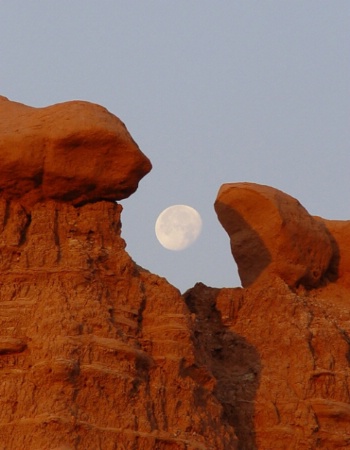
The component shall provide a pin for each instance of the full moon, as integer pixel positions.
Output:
(178, 226)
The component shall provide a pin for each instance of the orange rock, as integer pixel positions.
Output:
(280, 360)
(279, 352)
(76, 152)
(272, 234)
(95, 352)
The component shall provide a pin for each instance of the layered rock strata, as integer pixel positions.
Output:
(98, 353)
(95, 353)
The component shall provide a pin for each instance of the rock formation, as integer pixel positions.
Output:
(270, 232)
(98, 353)
(95, 352)
(287, 335)
(281, 362)
(75, 151)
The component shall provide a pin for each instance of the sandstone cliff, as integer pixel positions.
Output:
(98, 353)
(288, 331)
(95, 352)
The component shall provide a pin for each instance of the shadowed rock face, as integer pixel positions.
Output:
(76, 152)
(272, 234)
(281, 362)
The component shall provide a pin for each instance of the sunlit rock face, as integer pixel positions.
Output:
(272, 234)
(279, 348)
(75, 151)
(95, 352)
(98, 353)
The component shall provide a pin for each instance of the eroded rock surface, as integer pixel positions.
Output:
(272, 234)
(281, 348)
(95, 352)
(74, 151)
(281, 362)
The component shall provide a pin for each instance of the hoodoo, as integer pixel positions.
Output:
(97, 353)
(272, 234)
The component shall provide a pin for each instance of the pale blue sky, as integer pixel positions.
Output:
(212, 91)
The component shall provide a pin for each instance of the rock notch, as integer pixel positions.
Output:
(75, 151)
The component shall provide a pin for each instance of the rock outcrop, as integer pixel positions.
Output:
(98, 353)
(281, 362)
(285, 338)
(272, 234)
(95, 352)
(75, 151)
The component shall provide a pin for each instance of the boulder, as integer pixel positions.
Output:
(76, 152)
(272, 234)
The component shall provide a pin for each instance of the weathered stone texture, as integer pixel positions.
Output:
(272, 234)
(75, 151)
(95, 353)
(281, 362)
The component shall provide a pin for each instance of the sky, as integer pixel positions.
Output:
(213, 92)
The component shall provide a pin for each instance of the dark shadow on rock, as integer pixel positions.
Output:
(247, 247)
(233, 361)
(332, 273)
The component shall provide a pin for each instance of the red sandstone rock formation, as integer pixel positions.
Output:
(98, 353)
(95, 353)
(281, 362)
(280, 353)
(271, 233)
(75, 151)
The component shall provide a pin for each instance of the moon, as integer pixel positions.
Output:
(178, 226)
